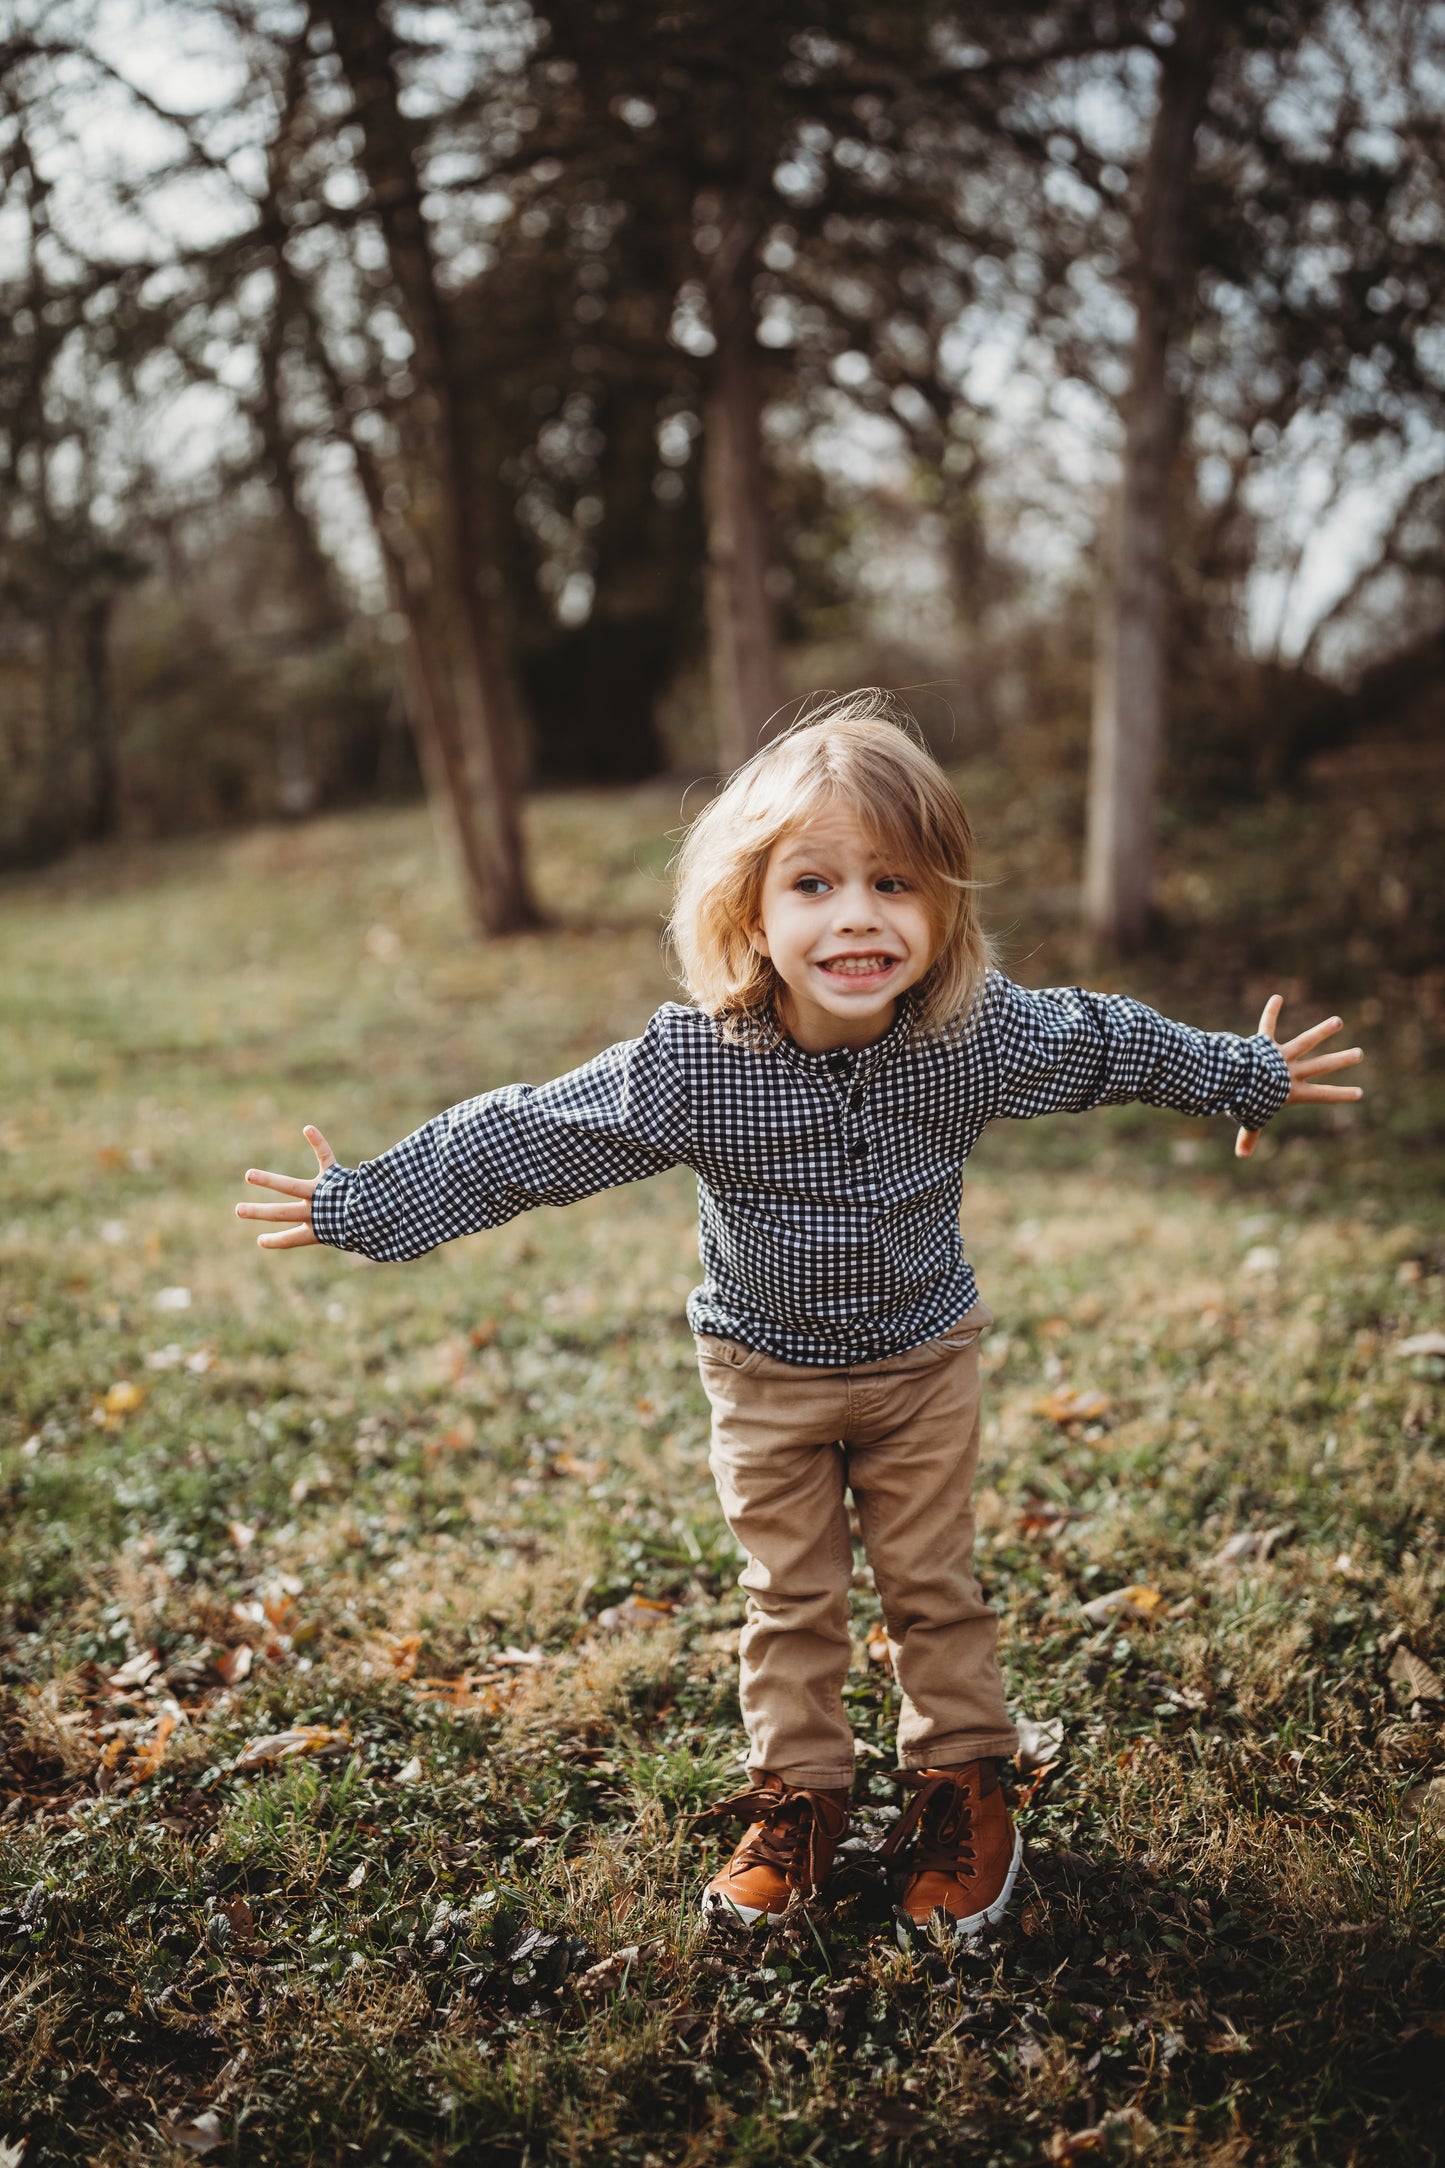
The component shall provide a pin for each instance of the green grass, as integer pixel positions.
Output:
(1227, 1938)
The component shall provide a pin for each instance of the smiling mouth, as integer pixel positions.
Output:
(857, 967)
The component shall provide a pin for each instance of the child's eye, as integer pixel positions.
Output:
(811, 884)
(892, 884)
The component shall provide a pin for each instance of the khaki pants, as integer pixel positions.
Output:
(788, 1442)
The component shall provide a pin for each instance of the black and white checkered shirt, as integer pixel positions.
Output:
(828, 1184)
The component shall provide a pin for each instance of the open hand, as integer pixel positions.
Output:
(1304, 1064)
(296, 1232)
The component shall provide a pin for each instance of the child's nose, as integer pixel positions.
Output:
(858, 910)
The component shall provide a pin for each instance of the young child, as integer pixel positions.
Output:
(846, 1045)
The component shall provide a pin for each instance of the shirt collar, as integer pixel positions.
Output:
(840, 1061)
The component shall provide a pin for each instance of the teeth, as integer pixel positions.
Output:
(858, 966)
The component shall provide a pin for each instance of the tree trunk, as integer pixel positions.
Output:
(747, 685)
(97, 708)
(1129, 681)
(472, 720)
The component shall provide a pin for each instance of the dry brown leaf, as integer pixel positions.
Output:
(568, 1464)
(239, 1917)
(1425, 1804)
(1040, 1742)
(879, 1651)
(1415, 1676)
(607, 1973)
(1421, 1343)
(200, 2134)
(1119, 2137)
(1039, 1519)
(1072, 1404)
(402, 1651)
(356, 1877)
(643, 1611)
(233, 1665)
(152, 1752)
(483, 1334)
(1135, 1604)
(137, 1669)
(283, 1746)
(1251, 1543)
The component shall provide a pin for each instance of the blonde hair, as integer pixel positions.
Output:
(858, 748)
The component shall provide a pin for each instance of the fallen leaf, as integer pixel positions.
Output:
(233, 1665)
(1040, 1741)
(527, 1659)
(483, 1334)
(568, 1464)
(1039, 1519)
(239, 1917)
(356, 1877)
(465, 1691)
(1251, 1543)
(410, 1772)
(644, 1611)
(1119, 2137)
(1420, 1343)
(1071, 1404)
(282, 1746)
(606, 1973)
(402, 1651)
(1411, 1672)
(879, 1650)
(241, 1533)
(1135, 1603)
(137, 1669)
(152, 1752)
(202, 2134)
(1026, 1792)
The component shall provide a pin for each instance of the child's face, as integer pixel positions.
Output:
(845, 931)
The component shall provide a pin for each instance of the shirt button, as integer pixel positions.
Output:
(838, 1063)
(859, 1150)
(855, 1097)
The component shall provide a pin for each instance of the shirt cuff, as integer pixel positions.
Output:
(329, 1202)
(1267, 1086)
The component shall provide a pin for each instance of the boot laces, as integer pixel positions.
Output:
(795, 1827)
(940, 1820)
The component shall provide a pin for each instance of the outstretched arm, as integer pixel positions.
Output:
(1304, 1065)
(620, 1117)
(296, 1229)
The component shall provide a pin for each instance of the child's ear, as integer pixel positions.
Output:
(758, 940)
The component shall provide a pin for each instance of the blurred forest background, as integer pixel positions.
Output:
(477, 395)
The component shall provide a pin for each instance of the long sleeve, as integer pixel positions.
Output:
(620, 1117)
(1066, 1049)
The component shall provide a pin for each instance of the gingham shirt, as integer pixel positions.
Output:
(828, 1184)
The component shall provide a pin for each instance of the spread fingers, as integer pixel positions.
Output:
(289, 1185)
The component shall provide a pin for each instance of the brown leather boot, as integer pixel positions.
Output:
(786, 1850)
(964, 1853)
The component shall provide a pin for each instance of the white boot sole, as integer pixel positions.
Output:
(973, 1923)
(726, 1912)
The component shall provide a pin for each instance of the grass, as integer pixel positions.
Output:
(467, 1929)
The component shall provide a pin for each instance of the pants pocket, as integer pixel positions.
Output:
(718, 1354)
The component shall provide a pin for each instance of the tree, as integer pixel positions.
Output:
(1130, 689)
